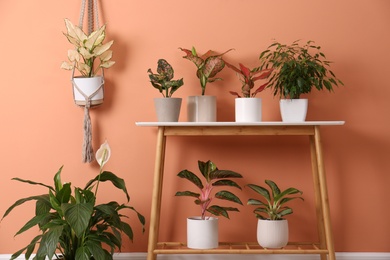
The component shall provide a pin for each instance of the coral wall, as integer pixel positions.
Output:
(41, 128)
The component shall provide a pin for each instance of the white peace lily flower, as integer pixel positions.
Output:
(103, 154)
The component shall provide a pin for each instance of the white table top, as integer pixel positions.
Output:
(264, 123)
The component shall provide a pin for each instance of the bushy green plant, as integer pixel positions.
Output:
(213, 177)
(73, 226)
(297, 69)
(208, 65)
(248, 77)
(272, 206)
(163, 80)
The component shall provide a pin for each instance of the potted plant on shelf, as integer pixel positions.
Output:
(89, 55)
(167, 108)
(204, 108)
(248, 106)
(74, 226)
(202, 231)
(296, 70)
(272, 228)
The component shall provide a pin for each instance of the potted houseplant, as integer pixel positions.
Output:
(74, 226)
(89, 55)
(272, 227)
(248, 106)
(202, 231)
(296, 70)
(204, 108)
(167, 108)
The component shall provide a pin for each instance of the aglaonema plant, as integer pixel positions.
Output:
(72, 225)
(163, 79)
(248, 77)
(272, 207)
(213, 178)
(208, 65)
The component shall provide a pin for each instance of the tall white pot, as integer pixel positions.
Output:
(202, 109)
(167, 109)
(293, 110)
(272, 233)
(92, 88)
(202, 233)
(248, 109)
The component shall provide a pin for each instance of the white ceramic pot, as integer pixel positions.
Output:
(272, 233)
(92, 88)
(202, 109)
(202, 233)
(293, 110)
(248, 109)
(167, 109)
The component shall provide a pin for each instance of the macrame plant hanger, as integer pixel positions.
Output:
(87, 152)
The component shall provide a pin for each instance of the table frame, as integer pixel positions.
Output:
(325, 247)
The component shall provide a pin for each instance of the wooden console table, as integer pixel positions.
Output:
(311, 129)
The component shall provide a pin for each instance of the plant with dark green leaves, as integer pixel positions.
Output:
(272, 207)
(213, 177)
(248, 77)
(72, 226)
(297, 69)
(163, 80)
(208, 65)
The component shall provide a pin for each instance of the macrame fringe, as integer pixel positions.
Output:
(88, 155)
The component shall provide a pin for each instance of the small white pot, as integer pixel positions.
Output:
(248, 109)
(293, 110)
(202, 233)
(92, 88)
(167, 109)
(272, 233)
(202, 109)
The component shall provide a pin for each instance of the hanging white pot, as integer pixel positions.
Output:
(248, 109)
(167, 109)
(202, 109)
(272, 233)
(293, 110)
(88, 88)
(202, 233)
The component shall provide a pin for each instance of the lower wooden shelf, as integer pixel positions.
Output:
(240, 248)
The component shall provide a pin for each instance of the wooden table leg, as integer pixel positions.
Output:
(318, 200)
(324, 194)
(157, 194)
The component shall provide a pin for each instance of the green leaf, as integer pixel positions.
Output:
(63, 195)
(57, 180)
(226, 183)
(191, 177)
(221, 174)
(78, 216)
(227, 195)
(21, 201)
(275, 189)
(32, 222)
(115, 180)
(95, 248)
(49, 242)
(82, 253)
(260, 190)
(33, 183)
(187, 193)
(256, 202)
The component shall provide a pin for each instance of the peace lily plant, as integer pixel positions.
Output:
(73, 226)
(88, 50)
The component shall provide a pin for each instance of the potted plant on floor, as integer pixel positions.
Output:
(74, 226)
(167, 108)
(248, 106)
(89, 56)
(296, 70)
(272, 228)
(204, 108)
(202, 231)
